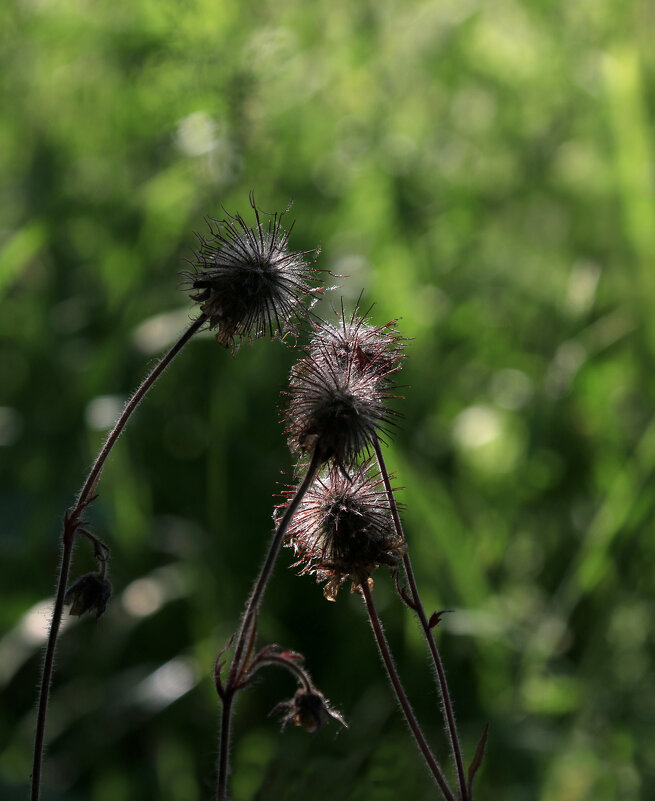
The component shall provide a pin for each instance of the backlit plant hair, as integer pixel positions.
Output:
(338, 399)
(247, 283)
(377, 350)
(343, 529)
(367, 356)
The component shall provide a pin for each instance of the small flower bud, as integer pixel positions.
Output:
(91, 591)
(246, 280)
(343, 529)
(308, 709)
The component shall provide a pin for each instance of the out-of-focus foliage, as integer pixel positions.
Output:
(485, 172)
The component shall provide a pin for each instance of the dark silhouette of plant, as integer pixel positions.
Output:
(248, 284)
(340, 518)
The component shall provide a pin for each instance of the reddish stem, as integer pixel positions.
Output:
(420, 612)
(246, 632)
(385, 653)
(72, 524)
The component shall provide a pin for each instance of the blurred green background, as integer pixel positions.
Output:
(485, 172)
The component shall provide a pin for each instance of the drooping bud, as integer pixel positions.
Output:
(308, 709)
(90, 592)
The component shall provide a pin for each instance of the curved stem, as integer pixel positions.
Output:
(420, 612)
(385, 653)
(141, 392)
(288, 664)
(246, 633)
(71, 527)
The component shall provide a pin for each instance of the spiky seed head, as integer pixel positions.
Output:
(246, 279)
(308, 709)
(334, 409)
(378, 350)
(343, 529)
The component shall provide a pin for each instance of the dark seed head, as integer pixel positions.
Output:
(339, 390)
(363, 347)
(343, 529)
(333, 408)
(247, 281)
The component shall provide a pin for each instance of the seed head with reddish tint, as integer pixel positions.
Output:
(334, 409)
(343, 529)
(339, 390)
(246, 279)
(377, 350)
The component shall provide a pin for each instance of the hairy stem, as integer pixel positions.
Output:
(72, 524)
(246, 634)
(385, 653)
(287, 664)
(139, 395)
(434, 651)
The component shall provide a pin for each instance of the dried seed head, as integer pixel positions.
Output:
(376, 350)
(90, 592)
(247, 281)
(343, 529)
(337, 412)
(308, 709)
(339, 389)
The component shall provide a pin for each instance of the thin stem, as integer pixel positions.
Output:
(245, 633)
(48, 662)
(141, 392)
(288, 664)
(385, 653)
(224, 750)
(420, 612)
(71, 527)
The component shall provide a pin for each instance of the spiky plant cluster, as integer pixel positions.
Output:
(247, 281)
(377, 351)
(343, 529)
(339, 390)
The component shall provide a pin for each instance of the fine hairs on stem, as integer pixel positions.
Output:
(347, 526)
(247, 630)
(73, 525)
(417, 606)
(340, 517)
(399, 690)
(248, 284)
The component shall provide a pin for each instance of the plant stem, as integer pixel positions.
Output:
(420, 612)
(385, 653)
(71, 526)
(241, 654)
(141, 392)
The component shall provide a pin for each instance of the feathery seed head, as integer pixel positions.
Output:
(334, 408)
(247, 281)
(338, 391)
(343, 529)
(378, 350)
